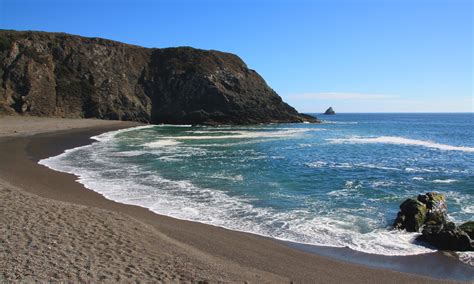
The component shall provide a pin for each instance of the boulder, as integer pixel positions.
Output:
(429, 208)
(412, 215)
(429, 212)
(329, 111)
(468, 227)
(446, 236)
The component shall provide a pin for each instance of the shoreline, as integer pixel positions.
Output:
(241, 256)
(418, 264)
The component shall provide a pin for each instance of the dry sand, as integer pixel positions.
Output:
(52, 228)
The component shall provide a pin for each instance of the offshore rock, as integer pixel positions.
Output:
(329, 111)
(61, 75)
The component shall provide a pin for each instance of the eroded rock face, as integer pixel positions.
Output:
(52, 74)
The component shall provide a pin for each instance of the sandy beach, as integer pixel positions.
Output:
(54, 229)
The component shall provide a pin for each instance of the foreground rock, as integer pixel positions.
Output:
(468, 227)
(412, 215)
(329, 111)
(446, 236)
(429, 213)
(55, 74)
(430, 208)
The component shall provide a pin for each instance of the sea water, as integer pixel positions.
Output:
(338, 183)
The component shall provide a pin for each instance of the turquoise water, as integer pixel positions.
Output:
(338, 183)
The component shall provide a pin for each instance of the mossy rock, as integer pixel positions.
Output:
(412, 215)
(468, 227)
(436, 205)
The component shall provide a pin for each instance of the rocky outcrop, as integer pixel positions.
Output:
(429, 208)
(329, 111)
(437, 207)
(412, 215)
(446, 236)
(468, 227)
(55, 74)
(429, 213)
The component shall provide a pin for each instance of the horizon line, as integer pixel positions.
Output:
(397, 112)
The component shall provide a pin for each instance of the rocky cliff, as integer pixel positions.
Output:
(55, 74)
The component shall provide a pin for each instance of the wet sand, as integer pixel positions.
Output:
(55, 229)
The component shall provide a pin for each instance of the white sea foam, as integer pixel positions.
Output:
(417, 178)
(469, 209)
(182, 199)
(162, 143)
(400, 141)
(212, 131)
(338, 122)
(467, 257)
(376, 166)
(169, 159)
(129, 153)
(172, 125)
(317, 164)
(382, 183)
(444, 180)
(236, 178)
(322, 164)
(241, 134)
(305, 145)
(421, 170)
(107, 136)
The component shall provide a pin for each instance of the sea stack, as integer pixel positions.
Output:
(329, 111)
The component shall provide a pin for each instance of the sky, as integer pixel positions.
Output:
(353, 55)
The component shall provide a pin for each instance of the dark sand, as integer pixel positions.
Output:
(55, 229)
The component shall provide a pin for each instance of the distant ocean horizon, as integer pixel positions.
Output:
(322, 115)
(338, 183)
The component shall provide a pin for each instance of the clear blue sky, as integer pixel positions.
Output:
(357, 56)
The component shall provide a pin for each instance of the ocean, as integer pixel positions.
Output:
(338, 183)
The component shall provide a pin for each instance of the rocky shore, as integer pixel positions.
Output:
(428, 214)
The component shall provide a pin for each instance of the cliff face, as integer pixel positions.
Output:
(51, 74)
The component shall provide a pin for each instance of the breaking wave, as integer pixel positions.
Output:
(400, 141)
(279, 181)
